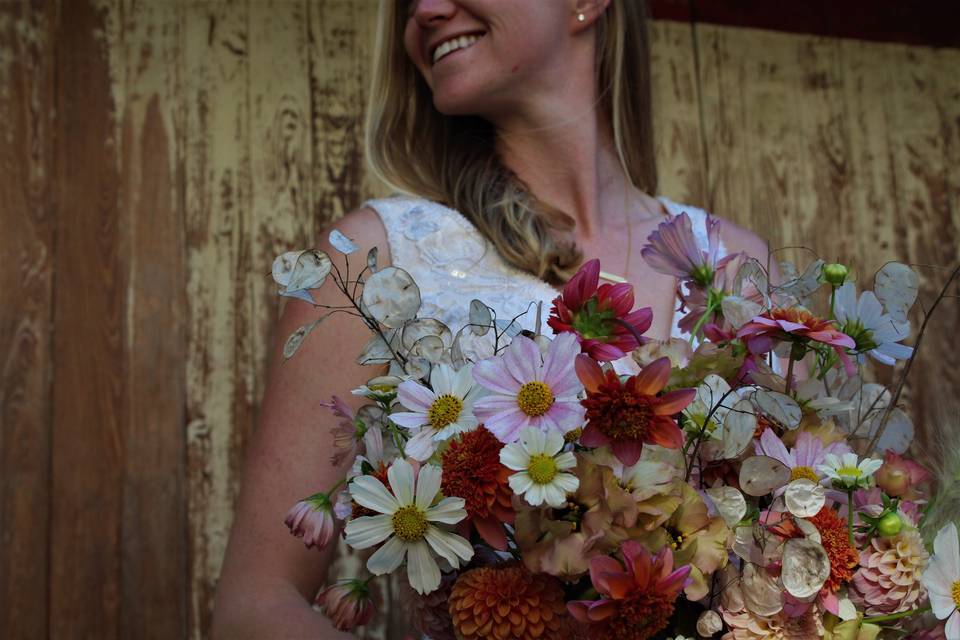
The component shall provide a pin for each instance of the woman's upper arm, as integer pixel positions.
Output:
(288, 457)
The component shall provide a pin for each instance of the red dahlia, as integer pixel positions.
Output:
(627, 415)
(472, 471)
(598, 314)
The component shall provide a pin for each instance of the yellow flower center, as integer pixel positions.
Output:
(850, 472)
(955, 592)
(534, 398)
(542, 468)
(409, 523)
(444, 410)
(803, 472)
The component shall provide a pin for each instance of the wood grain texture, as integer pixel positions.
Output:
(157, 155)
(153, 547)
(28, 219)
(217, 205)
(90, 398)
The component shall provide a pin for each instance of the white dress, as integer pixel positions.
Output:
(453, 263)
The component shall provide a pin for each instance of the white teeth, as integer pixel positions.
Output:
(453, 44)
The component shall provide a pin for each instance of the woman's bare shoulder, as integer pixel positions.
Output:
(738, 238)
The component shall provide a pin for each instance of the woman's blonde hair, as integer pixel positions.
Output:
(414, 148)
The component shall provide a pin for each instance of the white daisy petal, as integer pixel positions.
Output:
(364, 532)
(567, 482)
(554, 496)
(565, 461)
(369, 492)
(387, 558)
(422, 445)
(533, 440)
(520, 482)
(463, 382)
(422, 569)
(952, 628)
(552, 443)
(453, 548)
(947, 550)
(428, 485)
(441, 379)
(514, 457)
(415, 396)
(400, 475)
(534, 495)
(450, 510)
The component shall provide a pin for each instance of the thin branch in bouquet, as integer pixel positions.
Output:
(906, 370)
(699, 436)
(341, 282)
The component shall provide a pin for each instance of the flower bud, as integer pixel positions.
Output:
(709, 623)
(312, 520)
(835, 273)
(347, 604)
(889, 525)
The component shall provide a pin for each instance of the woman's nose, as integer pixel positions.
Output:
(430, 13)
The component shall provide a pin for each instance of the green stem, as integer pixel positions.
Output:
(850, 517)
(895, 616)
(833, 297)
(703, 319)
(789, 375)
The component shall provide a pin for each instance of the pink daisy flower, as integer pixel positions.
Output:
(528, 392)
(803, 459)
(673, 250)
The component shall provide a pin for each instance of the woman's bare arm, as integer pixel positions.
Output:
(269, 578)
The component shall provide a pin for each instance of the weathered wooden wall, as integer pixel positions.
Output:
(154, 156)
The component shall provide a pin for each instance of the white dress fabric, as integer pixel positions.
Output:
(452, 263)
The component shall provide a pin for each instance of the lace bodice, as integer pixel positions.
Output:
(453, 263)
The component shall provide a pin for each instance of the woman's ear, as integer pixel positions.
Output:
(586, 12)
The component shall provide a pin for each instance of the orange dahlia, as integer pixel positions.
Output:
(835, 539)
(507, 602)
(472, 471)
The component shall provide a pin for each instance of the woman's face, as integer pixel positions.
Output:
(482, 57)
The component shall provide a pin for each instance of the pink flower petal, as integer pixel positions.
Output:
(415, 396)
(492, 374)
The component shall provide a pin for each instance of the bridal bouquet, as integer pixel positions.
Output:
(745, 483)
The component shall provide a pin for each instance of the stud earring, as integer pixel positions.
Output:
(581, 17)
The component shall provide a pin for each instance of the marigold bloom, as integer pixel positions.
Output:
(472, 471)
(835, 539)
(625, 416)
(596, 314)
(506, 601)
(347, 604)
(639, 594)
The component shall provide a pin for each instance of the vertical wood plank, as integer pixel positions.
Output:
(341, 41)
(90, 376)
(926, 231)
(26, 312)
(145, 55)
(217, 208)
(676, 112)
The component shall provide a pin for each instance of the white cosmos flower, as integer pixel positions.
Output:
(874, 331)
(846, 472)
(540, 466)
(408, 523)
(942, 580)
(438, 413)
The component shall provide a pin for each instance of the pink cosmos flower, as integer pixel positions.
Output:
(803, 459)
(673, 250)
(312, 520)
(597, 314)
(795, 324)
(346, 435)
(347, 604)
(638, 594)
(526, 392)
